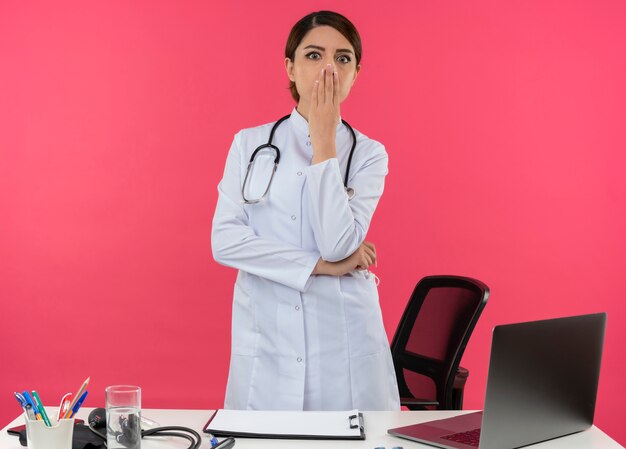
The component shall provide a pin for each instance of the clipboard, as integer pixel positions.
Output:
(296, 425)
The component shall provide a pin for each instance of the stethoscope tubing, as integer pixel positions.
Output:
(349, 190)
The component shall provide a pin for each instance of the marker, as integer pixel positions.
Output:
(77, 397)
(42, 410)
(30, 402)
(77, 405)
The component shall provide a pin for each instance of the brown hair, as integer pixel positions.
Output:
(316, 19)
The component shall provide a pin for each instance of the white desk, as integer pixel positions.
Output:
(376, 425)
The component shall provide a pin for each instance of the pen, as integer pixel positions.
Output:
(214, 441)
(28, 409)
(30, 402)
(77, 396)
(77, 405)
(64, 406)
(226, 443)
(20, 399)
(42, 410)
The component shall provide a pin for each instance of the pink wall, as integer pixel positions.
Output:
(504, 123)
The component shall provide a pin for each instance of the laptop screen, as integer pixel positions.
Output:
(543, 380)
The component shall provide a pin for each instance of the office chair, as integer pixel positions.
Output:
(431, 338)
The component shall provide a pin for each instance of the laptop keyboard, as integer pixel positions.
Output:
(470, 437)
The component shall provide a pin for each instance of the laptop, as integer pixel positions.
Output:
(542, 384)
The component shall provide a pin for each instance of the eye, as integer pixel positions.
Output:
(344, 59)
(313, 55)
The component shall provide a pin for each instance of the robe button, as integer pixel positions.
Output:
(293, 217)
(308, 143)
(299, 173)
(299, 359)
(297, 307)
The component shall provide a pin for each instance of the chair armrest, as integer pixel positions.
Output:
(460, 378)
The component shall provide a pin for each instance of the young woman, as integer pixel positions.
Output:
(307, 330)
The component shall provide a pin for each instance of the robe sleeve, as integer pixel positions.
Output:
(235, 244)
(339, 225)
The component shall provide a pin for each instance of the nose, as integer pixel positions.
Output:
(329, 60)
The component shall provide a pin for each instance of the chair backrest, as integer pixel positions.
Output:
(433, 332)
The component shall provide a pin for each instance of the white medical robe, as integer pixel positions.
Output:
(302, 341)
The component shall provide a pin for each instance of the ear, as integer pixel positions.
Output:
(289, 68)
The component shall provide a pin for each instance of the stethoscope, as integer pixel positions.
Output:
(349, 190)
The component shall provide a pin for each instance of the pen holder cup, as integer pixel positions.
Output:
(58, 436)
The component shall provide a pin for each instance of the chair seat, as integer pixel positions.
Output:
(457, 393)
(417, 401)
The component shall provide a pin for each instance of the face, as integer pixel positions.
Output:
(321, 46)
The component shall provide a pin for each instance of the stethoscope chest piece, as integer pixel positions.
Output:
(269, 146)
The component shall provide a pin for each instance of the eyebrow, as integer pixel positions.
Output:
(339, 50)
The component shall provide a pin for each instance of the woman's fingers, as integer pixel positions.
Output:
(315, 96)
(335, 88)
(323, 117)
(371, 250)
(325, 93)
(361, 259)
(371, 255)
(328, 84)
(369, 245)
(364, 257)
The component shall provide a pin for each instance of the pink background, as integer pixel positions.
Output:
(504, 122)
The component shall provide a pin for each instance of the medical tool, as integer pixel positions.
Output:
(128, 435)
(349, 190)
